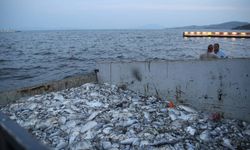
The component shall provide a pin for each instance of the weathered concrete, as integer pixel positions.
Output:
(217, 85)
(10, 96)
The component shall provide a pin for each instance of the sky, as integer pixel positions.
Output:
(118, 14)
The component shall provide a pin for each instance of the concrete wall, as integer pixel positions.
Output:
(11, 96)
(217, 86)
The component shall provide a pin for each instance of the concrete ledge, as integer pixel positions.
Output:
(221, 85)
(11, 96)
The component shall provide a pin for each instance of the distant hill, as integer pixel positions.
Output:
(225, 25)
(244, 27)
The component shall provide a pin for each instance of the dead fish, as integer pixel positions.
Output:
(74, 108)
(164, 142)
(107, 130)
(71, 123)
(144, 143)
(73, 136)
(62, 120)
(62, 144)
(190, 146)
(89, 135)
(174, 111)
(146, 115)
(129, 141)
(204, 136)
(89, 125)
(58, 97)
(188, 109)
(177, 124)
(172, 116)
(101, 116)
(94, 94)
(82, 145)
(32, 106)
(226, 142)
(94, 103)
(68, 111)
(129, 123)
(93, 115)
(247, 132)
(106, 145)
(191, 130)
(188, 117)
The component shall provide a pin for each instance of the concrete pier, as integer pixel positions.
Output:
(217, 34)
(216, 86)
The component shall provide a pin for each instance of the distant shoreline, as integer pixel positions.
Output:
(9, 31)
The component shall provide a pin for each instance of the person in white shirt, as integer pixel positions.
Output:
(218, 52)
(209, 54)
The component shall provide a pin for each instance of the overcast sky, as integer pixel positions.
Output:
(118, 14)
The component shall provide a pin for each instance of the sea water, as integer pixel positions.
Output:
(32, 57)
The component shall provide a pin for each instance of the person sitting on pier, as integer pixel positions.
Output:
(218, 52)
(209, 54)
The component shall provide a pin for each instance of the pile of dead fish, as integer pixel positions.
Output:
(103, 116)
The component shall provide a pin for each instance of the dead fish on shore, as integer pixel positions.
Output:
(103, 116)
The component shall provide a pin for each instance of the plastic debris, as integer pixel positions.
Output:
(171, 104)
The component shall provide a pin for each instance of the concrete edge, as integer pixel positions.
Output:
(166, 60)
(75, 81)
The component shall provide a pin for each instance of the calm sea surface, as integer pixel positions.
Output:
(33, 57)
